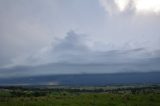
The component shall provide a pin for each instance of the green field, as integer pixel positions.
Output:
(80, 97)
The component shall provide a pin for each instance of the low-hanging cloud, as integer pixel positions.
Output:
(72, 55)
(74, 48)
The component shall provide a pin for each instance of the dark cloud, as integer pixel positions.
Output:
(72, 43)
(70, 68)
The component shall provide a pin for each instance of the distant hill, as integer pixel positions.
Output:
(86, 79)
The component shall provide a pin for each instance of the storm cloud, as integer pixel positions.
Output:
(93, 36)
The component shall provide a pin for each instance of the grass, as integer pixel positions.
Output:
(67, 98)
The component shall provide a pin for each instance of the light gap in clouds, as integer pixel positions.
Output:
(138, 6)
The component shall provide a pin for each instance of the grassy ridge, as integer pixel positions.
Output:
(72, 97)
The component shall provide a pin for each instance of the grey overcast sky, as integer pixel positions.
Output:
(39, 37)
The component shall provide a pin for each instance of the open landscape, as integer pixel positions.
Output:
(118, 95)
(118, 89)
(79, 52)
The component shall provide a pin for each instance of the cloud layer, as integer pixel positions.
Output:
(93, 36)
(72, 55)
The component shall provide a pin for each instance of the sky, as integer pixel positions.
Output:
(41, 37)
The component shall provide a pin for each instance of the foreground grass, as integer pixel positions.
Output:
(65, 98)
